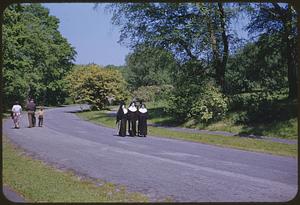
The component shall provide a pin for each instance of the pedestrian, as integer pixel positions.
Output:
(142, 120)
(132, 118)
(31, 107)
(33, 119)
(16, 114)
(122, 119)
(41, 116)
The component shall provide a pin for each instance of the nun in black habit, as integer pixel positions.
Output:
(122, 119)
(132, 118)
(142, 123)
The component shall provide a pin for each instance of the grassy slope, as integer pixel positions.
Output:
(287, 129)
(101, 117)
(38, 182)
(284, 129)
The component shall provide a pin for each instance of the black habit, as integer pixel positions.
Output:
(132, 118)
(142, 123)
(122, 119)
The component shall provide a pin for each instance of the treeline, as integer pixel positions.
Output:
(36, 56)
(191, 48)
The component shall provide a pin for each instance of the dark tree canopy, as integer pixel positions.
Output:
(279, 20)
(191, 31)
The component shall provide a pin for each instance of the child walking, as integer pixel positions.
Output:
(41, 117)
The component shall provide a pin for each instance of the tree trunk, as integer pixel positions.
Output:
(218, 63)
(214, 45)
(286, 17)
(225, 44)
(290, 55)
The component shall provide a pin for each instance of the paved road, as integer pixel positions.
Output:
(12, 195)
(158, 167)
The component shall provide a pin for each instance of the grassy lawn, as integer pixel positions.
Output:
(39, 182)
(101, 117)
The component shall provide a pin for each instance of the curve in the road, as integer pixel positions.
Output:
(158, 167)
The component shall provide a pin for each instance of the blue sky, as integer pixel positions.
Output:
(90, 32)
(94, 37)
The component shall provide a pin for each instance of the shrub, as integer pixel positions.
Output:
(204, 103)
(210, 105)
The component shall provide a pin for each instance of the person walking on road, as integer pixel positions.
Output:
(41, 116)
(132, 118)
(31, 107)
(122, 119)
(142, 123)
(16, 114)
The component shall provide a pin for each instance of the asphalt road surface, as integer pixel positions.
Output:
(158, 167)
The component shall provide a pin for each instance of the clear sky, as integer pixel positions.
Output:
(90, 32)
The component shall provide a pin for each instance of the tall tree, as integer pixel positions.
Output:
(148, 66)
(36, 55)
(191, 31)
(258, 66)
(216, 24)
(275, 18)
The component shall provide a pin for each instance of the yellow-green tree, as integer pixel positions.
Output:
(95, 85)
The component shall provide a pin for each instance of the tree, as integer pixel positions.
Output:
(95, 85)
(216, 25)
(258, 66)
(148, 66)
(274, 19)
(190, 31)
(36, 55)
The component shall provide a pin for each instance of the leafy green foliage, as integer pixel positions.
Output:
(257, 66)
(152, 93)
(204, 103)
(148, 66)
(191, 31)
(36, 55)
(274, 19)
(211, 104)
(96, 86)
(179, 27)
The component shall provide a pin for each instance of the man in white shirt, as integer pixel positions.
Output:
(16, 111)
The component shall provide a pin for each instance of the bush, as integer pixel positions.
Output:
(210, 105)
(204, 103)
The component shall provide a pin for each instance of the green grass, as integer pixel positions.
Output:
(287, 129)
(102, 118)
(40, 182)
(280, 128)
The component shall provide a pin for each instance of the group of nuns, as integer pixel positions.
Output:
(136, 118)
